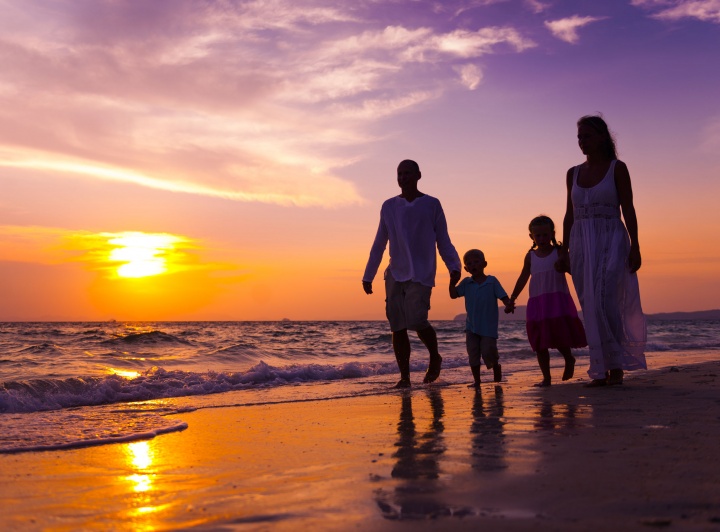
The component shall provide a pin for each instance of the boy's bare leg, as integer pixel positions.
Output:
(569, 363)
(401, 346)
(543, 358)
(429, 338)
(476, 376)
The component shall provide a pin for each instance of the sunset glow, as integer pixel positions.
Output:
(142, 255)
(167, 162)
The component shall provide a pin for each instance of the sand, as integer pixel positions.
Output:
(639, 456)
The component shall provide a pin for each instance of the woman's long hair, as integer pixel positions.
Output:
(599, 125)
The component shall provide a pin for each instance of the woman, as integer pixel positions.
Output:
(603, 255)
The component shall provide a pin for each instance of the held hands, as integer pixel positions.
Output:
(562, 265)
(454, 277)
(510, 306)
(367, 286)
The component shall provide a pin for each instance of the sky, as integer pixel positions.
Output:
(227, 160)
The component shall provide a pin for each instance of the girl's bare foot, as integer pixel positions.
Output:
(569, 370)
(543, 384)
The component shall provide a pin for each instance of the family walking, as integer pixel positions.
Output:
(601, 253)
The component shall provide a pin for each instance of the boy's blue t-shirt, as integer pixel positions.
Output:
(481, 305)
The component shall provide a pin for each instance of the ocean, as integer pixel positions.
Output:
(70, 385)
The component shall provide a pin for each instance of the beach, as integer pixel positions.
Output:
(512, 457)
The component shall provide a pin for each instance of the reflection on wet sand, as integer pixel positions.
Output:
(556, 418)
(416, 464)
(487, 431)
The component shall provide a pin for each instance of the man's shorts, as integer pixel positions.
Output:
(481, 346)
(406, 304)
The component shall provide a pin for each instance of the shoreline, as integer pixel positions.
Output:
(512, 458)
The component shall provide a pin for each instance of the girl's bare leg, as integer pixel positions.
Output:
(566, 352)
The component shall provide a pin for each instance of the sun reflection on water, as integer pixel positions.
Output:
(140, 454)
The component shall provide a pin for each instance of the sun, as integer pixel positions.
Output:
(142, 254)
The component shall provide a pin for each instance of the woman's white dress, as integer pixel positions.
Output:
(608, 293)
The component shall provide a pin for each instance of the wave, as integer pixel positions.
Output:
(157, 383)
(70, 430)
(150, 337)
(42, 348)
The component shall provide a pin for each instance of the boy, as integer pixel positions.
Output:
(481, 293)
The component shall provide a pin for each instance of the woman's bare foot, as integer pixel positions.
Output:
(615, 378)
(595, 383)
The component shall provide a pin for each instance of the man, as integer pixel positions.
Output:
(414, 223)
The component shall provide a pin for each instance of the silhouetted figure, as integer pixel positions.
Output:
(414, 224)
(603, 255)
(481, 293)
(552, 319)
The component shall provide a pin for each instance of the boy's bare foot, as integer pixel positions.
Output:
(403, 383)
(433, 371)
(542, 384)
(569, 370)
(497, 372)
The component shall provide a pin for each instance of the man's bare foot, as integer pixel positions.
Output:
(543, 384)
(403, 383)
(569, 370)
(433, 371)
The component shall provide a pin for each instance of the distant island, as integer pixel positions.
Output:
(695, 315)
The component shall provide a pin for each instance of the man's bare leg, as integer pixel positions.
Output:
(429, 338)
(401, 346)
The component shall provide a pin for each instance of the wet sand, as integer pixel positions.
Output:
(513, 457)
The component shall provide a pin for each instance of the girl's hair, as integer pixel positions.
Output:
(599, 125)
(543, 220)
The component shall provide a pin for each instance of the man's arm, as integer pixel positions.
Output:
(376, 254)
(453, 285)
(445, 247)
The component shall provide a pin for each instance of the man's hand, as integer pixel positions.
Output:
(367, 286)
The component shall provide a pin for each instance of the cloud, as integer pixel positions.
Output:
(470, 76)
(536, 6)
(566, 29)
(705, 10)
(230, 99)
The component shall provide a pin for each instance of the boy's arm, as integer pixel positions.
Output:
(501, 294)
(522, 279)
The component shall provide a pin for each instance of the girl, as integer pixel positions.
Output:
(552, 319)
(603, 255)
